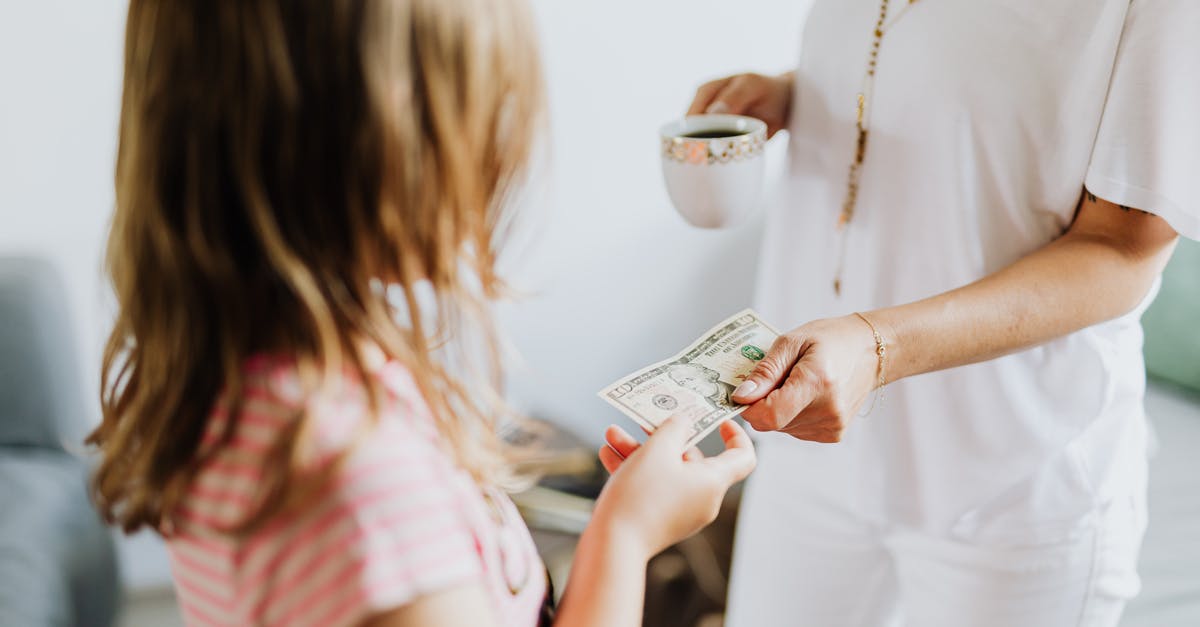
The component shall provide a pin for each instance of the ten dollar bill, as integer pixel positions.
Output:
(697, 383)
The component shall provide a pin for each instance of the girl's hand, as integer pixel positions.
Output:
(658, 495)
(768, 98)
(813, 380)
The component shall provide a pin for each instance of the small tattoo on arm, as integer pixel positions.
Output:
(1128, 209)
(1093, 199)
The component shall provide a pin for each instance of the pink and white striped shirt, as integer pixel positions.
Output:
(396, 520)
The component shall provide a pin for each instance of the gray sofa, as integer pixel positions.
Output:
(57, 560)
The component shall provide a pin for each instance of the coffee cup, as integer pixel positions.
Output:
(713, 166)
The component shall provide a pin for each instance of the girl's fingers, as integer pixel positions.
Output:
(621, 442)
(609, 459)
(735, 436)
(739, 459)
(671, 434)
(734, 464)
(624, 444)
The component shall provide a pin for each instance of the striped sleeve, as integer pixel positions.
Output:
(390, 529)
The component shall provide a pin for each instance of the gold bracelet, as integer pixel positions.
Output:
(881, 351)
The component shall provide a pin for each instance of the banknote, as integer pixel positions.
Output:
(698, 382)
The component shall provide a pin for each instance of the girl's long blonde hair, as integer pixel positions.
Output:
(279, 162)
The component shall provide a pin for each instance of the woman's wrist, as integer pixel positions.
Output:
(854, 331)
(885, 323)
(866, 347)
(876, 350)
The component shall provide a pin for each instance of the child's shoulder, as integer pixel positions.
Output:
(399, 441)
(339, 413)
(328, 422)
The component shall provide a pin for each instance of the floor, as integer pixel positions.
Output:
(1170, 564)
(1170, 561)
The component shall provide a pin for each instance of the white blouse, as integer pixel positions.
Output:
(987, 119)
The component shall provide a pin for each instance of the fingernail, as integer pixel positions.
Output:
(717, 107)
(746, 388)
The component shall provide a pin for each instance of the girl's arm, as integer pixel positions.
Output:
(657, 496)
(607, 581)
(814, 378)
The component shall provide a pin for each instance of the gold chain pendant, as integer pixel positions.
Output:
(861, 118)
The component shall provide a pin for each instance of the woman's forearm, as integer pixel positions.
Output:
(607, 581)
(1099, 270)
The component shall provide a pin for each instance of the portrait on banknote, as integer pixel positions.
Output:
(703, 381)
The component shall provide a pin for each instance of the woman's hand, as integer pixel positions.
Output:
(813, 380)
(658, 495)
(768, 98)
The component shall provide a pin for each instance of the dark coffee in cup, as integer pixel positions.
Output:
(716, 133)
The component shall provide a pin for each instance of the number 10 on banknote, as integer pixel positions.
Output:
(697, 383)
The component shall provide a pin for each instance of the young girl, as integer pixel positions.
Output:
(283, 167)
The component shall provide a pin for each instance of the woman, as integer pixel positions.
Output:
(995, 186)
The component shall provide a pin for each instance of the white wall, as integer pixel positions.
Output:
(617, 280)
(60, 80)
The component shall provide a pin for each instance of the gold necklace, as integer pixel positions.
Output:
(862, 122)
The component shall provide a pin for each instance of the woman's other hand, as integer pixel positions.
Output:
(768, 98)
(658, 493)
(813, 380)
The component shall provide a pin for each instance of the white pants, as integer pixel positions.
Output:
(803, 557)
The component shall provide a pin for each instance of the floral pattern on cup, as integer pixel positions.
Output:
(718, 150)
